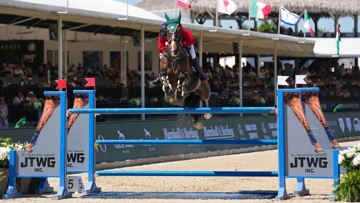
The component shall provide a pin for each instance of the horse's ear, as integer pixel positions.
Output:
(167, 17)
(179, 17)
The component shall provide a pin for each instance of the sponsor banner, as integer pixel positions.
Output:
(44, 159)
(213, 129)
(78, 136)
(22, 50)
(300, 156)
(240, 128)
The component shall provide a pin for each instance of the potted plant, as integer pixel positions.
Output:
(348, 189)
(34, 105)
(6, 144)
(167, 103)
(134, 103)
(234, 101)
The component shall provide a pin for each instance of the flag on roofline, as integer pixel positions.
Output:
(184, 3)
(288, 18)
(226, 6)
(307, 24)
(259, 10)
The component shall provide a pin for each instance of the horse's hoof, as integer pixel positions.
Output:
(198, 125)
(169, 94)
(207, 116)
(179, 100)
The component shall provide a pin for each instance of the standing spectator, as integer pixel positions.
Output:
(101, 103)
(3, 113)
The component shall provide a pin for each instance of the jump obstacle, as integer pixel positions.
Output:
(284, 148)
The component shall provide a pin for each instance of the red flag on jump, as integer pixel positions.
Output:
(90, 82)
(61, 84)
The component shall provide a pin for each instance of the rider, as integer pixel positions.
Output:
(188, 40)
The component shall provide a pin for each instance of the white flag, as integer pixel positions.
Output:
(288, 18)
(226, 6)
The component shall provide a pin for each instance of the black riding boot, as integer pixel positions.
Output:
(199, 70)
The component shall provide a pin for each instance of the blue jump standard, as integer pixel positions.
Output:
(184, 195)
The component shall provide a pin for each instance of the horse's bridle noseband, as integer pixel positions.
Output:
(180, 48)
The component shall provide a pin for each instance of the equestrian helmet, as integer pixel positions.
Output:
(163, 30)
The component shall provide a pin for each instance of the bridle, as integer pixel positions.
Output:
(179, 48)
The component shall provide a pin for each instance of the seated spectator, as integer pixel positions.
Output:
(118, 83)
(224, 95)
(3, 113)
(19, 99)
(28, 72)
(319, 83)
(29, 82)
(346, 94)
(43, 83)
(251, 73)
(271, 83)
(30, 96)
(234, 83)
(262, 74)
(353, 83)
(339, 84)
(71, 82)
(79, 82)
(339, 93)
(327, 85)
(18, 72)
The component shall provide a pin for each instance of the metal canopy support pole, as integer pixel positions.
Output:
(201, 57)
(201, 49)
(65, 54)
(258, 62)
(142, 70)
(124, 61)
(275, 73)
(240, 74)
(60, 52)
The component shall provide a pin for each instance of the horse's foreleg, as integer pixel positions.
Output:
(167, 88)
(180, 92)
(197, 123)
(207, 116)
(181, 83)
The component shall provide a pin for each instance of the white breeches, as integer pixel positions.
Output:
(192, 51)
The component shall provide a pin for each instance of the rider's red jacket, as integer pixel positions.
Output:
(187, 38)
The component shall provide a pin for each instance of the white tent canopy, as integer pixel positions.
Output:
(325, 47)
(89, 12)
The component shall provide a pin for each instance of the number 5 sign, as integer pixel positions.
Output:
(75, 184)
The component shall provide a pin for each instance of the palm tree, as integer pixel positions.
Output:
(266, 26)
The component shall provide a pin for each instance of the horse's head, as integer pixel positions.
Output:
(174, 35)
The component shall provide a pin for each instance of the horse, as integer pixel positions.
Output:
(181, 84)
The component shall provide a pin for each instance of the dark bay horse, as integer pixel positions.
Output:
(181, 84)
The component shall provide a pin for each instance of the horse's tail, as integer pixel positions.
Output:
(191, 101)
